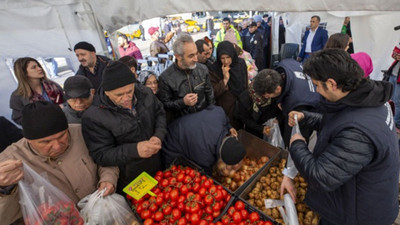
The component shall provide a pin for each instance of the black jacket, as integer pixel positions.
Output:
(95, 78)
(9, 133)
(112, 133)
(253, 116)
(354, 170)
(175, 83)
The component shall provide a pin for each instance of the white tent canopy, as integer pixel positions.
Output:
(50, 28)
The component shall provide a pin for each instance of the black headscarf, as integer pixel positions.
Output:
(238, 73)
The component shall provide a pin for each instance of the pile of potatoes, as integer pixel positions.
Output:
(268, 187)
(234, 180)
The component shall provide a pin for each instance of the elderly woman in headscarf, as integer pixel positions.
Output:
(149, 79)
(229, 79)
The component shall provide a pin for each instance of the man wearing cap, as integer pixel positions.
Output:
(212, 139)
(157, 46)
(125, 125)
(227, 33)
(185, 87)
(52, 147)
(253, 43)
(92, 65)
(79, 93)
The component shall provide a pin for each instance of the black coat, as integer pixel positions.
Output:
(95, 78)
(253, 43)
(175, 83)
(9, 133)
(112, 133)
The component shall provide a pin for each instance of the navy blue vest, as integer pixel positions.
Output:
(370, 197)
(299, 89)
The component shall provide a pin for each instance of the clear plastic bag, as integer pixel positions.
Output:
(291, 170)
(289, 213)
(109, 210)
(42, 203)
(274, 136)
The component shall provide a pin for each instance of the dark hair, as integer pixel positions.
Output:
(265, 15)
(266, 81)
(130, 61)
(209, 41)
(318, 18)
(199, 45)
(338, 40)
(123, 36)
(226, 19)
(336, 64)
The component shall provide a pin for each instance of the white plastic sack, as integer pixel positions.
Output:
(109, 210)
(289, 212)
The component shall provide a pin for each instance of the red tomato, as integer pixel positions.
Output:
(145, 214)
(237, 217)
(148, 222)
(164, 183)
(145, 204)
(172, 180)
(195, 218)
(231, 210)
(182, 221)
(194, 207)
(206, 184)
(173, 167)
(209, 218)
(218, 195)
(225, 220)
(158, 178)
(203, 222)
(181, 198)
(181, 206)
(268, 223)
(184, 190)
(216, 214)
(167, 210)
(196, 187)
(239, 205)
(159, 173)
(216, 206)
(208, 200)
(180, 177)
(153, 207)
(218, 223)
(173, 195)
(187, 179)
(212, 189)
(158, 216)
(167, 174)
(159, 200)
(202, 191)
(244, 213)
(139, 209)
(254, 217)
(176, 214)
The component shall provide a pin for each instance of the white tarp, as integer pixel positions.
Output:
(50, 28)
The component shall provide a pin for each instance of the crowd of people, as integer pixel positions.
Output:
(110, 122)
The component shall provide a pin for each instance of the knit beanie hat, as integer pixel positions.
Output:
(85, 45)
(116, 75)
(42, 119)
(232, 152)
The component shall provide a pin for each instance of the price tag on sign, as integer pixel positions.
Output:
(141, 186)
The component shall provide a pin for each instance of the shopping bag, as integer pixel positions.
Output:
(274, 136)
(43, 203)
(109, 210)
(290, 169)
(286, 207)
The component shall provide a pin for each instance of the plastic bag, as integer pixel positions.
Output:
(43, 203)
(109, 210)
(289, 213)
(274, 136)
(290, 169)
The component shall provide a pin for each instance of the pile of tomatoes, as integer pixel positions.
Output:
(238, 214)
(183, 196)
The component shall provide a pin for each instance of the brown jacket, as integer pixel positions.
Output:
(74, 172)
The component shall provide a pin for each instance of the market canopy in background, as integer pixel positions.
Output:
(50, 28)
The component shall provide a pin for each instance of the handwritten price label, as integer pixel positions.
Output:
(141, 186)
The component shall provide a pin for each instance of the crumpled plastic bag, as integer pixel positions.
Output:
(274, 137)
(109, 210)
(43, 203)
(289, 212)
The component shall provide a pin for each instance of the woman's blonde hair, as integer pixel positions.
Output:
(20, 71)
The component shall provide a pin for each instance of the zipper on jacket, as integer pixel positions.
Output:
(191, 90)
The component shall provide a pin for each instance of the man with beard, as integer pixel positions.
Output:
(185, 86)
(92, 65)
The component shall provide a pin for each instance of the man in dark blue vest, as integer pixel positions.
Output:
(353, 172)
(291, 89)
